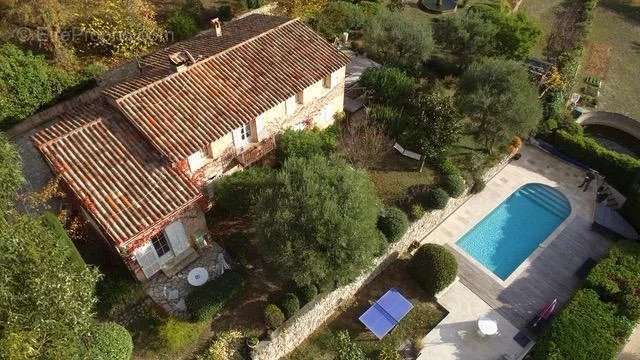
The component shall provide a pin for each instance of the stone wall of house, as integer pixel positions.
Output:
(313, 315)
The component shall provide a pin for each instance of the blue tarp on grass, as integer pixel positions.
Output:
(386, 313)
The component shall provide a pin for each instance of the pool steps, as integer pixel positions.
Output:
(548, 199)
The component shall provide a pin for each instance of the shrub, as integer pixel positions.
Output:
(478, 186)
(27, 83)
(110, 341)
(617, 167)
(51, 221)
(227, 346)
(436, 199)
(630, 306)
(273, 316)
(307, 293)
(618, 274)
(206, 301)
(434, 267)
(182, 25)
(393, 223)
(388, 84)
(338, 17)
(290, 305)
(175, 335)
(94, 70)
(388, 353)
(235, 194)
(453, 184)
(587, 328)
(116, 292)
(306, 143)
(326, 285)
(346, 349)
(225, 13)
(254, 4)
(389, 118)
(417, 212)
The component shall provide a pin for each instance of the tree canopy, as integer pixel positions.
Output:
(434, 126)
(317, 220)
(46, 301)
(395, 39)
(499, 97)
(338, 17)
(303, 9)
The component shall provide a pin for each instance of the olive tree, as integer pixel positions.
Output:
(395, 39)
(499, 97)
(317, 220)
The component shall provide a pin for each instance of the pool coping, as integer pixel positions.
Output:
(534, 254)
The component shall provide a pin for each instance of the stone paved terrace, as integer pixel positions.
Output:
(550, 272)
(170, 292)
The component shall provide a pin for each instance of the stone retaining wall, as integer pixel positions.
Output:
(295, 330)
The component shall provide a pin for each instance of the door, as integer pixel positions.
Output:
(177, 237)
(148, 259)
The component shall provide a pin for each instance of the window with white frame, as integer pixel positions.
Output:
(160, 243)
(245, 132)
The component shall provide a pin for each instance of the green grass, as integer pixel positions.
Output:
(617, 24)
(542, 12)
(396, 174)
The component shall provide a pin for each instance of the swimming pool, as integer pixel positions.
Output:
(513, 230)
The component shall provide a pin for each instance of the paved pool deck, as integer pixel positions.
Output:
(548, 273)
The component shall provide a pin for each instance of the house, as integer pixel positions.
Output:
(139, 161)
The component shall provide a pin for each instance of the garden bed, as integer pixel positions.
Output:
(425, 315)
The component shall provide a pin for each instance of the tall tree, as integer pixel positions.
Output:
(466, 37)
(303, 9)
(52, 16)
(433, 127)
(499, 97)
(395, 39)
(317, 220)
(516, 36)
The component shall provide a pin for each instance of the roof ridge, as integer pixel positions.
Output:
(203, 61)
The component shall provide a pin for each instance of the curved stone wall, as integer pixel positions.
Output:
(614, 120)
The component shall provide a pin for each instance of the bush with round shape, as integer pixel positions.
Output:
(478, 186)
(433, 267)
(290, 305)
(436, 199)
(110, 341)
(182, 25)
(273, 316)
(417, 212)
(453, 184)
(307, 293)
(393, 223)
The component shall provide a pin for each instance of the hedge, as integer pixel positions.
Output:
(620, 169)
(273, 316)
(433, 267)
(436, 199)
(206, 301)
(51, 221)
(306, 143)
(235, 194)
(110, 341)
(586, 329)
(290, 305)
(393, 223)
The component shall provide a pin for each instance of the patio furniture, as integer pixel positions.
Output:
(198, 276)
(386, 313)
(487, 327)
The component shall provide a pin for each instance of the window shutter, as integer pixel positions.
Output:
(177, 237)
(148, 259)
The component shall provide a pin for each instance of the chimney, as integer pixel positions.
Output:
(216, 25)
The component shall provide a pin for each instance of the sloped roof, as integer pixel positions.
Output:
(257, 63)
(118, 179)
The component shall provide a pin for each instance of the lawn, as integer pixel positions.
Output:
(613, 54)
(396, 174)
(425, 315)
(542, 12)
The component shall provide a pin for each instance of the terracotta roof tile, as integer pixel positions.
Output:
(118, 179)
(182, 113)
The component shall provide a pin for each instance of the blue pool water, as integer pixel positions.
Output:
(513, 230)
